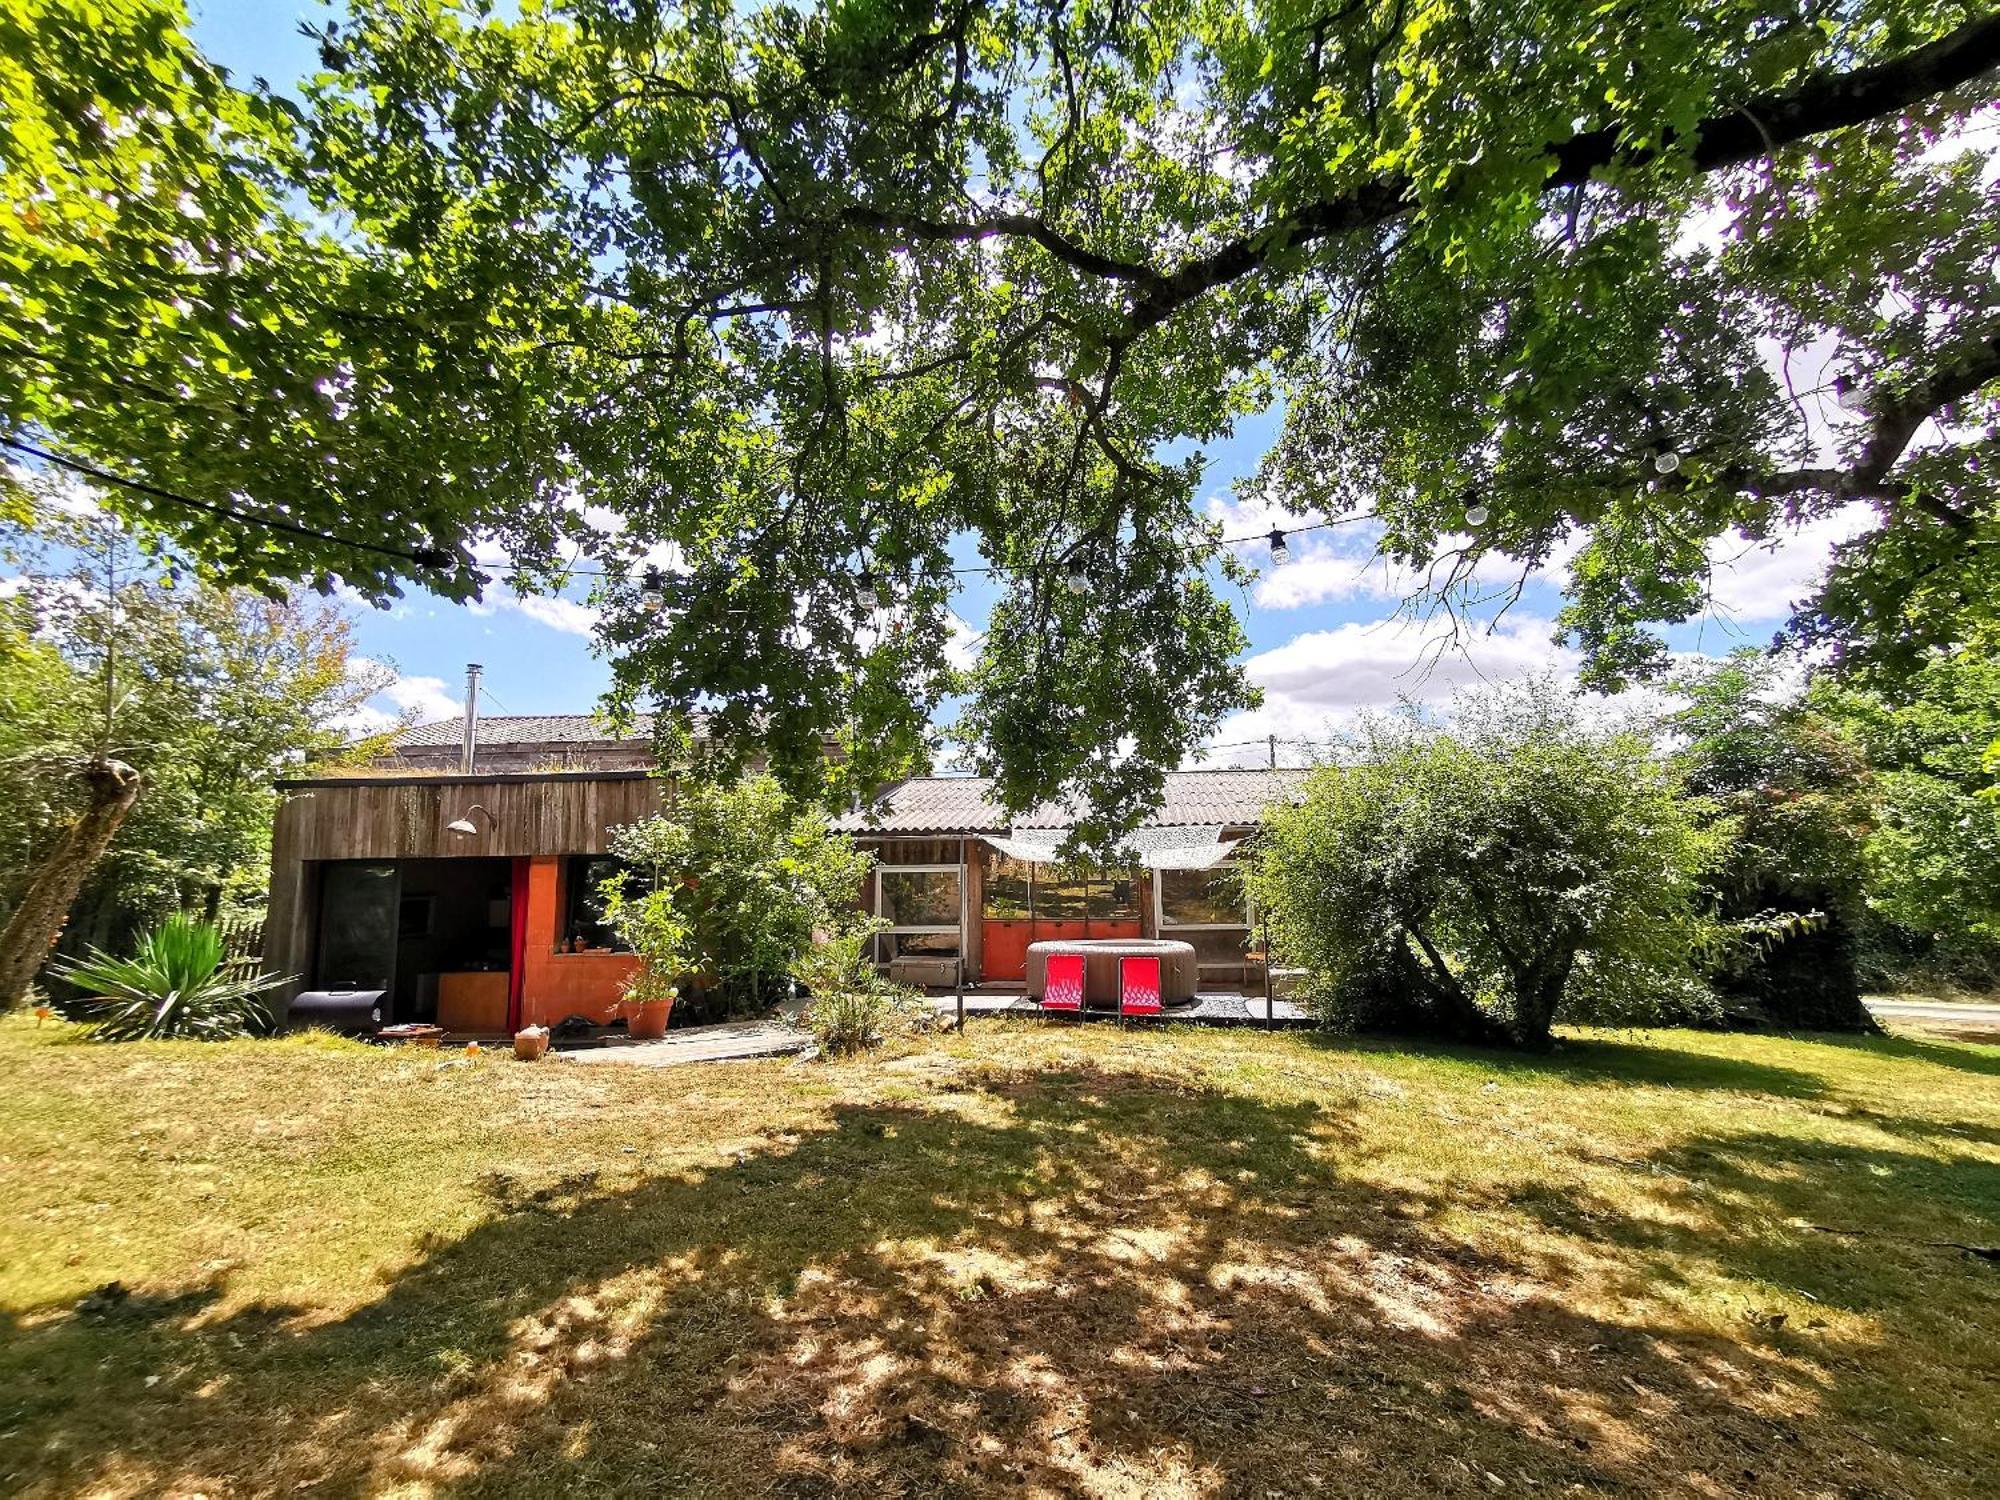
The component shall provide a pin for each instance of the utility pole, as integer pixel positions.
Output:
(469, 750)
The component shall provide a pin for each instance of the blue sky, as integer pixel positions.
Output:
(1326, 637)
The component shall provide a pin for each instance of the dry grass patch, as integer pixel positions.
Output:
(1028, 1260)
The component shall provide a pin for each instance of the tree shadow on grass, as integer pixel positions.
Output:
(1982, 1058)
(1598, 1060)
(1825, 1228)
(1054, 1283)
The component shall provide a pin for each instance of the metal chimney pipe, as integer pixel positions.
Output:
(469, 749)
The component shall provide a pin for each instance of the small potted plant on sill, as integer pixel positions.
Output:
(647, 921)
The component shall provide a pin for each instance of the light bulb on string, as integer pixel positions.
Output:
(653, 592)
(1666, 461)
(1849, 395)
(1477, 515)
(1280, 552)
(1076, 577)
(869, 596)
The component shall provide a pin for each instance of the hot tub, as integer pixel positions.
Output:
(1178, 971)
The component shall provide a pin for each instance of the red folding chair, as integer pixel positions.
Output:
(1138, 987)
(1062, 983)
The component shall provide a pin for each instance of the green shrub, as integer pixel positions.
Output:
(749, 876)
(852, 1008)
(643, 913)
(172, 987)
(1478, 882)
(1605, 990)
(1794, 792)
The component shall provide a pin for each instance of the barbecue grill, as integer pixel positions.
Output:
(350, 1012)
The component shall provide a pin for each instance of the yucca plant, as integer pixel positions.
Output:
(173, 986)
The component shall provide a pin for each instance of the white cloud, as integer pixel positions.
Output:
(1341, 562)
(1764, 580)
(426, 697)
(565, 615)
(1317, 683)
(961, 649)
(59, 488)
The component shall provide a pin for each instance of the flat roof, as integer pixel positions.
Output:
(455, 778)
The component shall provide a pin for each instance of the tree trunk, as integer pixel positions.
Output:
(1807, 981)
(1538, 990)
(37, 923)
(1455, 1015)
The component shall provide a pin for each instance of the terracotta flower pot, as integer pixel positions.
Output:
(649, 1022)
(530, 1043)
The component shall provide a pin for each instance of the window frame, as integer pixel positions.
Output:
(1161, 924)
(567, 888)
(929, 929)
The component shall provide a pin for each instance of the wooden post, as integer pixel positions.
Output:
(1270, 988)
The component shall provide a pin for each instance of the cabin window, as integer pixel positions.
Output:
(922, 906)
(1202, 898)
(918, 898)
(1017, 890)
(1114, 898)
(1008, 892)
(1085, 895)
(584, 929)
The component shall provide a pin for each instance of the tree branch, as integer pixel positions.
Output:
(1745, 132)
(1897, 419)
(1003, 226)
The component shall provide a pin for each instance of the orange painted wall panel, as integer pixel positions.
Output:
(472, 1002)
(1005, 942)
(1004, 949)
(555, 985)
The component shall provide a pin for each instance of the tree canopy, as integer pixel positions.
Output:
(813, 305)
(1934, 853)
(209, 694)
(1478, 882)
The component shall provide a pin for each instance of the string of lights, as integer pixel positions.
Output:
(429, 557)
(1077, 574)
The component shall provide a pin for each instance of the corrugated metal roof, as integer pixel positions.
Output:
(524, 729)
(959, 804)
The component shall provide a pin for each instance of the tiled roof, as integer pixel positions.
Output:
(523, 729)
(958, 804)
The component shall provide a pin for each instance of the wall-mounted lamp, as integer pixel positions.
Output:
(464, 826)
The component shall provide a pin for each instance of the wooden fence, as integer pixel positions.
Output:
(242, 946)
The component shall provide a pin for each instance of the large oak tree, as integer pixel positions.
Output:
(816, 302)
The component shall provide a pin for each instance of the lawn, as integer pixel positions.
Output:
(1026, 1260)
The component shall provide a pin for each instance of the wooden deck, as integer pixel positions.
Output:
(1210, 1008)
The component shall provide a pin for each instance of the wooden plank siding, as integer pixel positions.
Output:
(404, 817)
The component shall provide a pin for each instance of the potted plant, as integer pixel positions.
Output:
(653, 1003)
(647, 921)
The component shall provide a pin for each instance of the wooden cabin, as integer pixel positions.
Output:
(960, 882)
(471, 900)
